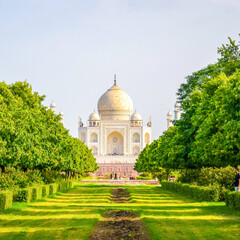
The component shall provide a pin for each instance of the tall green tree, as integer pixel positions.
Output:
(208, 132)
(32, 137)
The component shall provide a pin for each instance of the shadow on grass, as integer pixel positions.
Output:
(73, 214)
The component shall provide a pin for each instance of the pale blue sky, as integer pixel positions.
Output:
(69, 50)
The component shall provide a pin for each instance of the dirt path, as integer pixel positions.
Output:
(120, 195)
(119, 224)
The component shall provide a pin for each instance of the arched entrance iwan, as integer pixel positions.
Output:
(115, 143)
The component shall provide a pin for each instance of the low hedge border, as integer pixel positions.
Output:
(37, 192)
(53, 188)
(23, 195)
(6, 199)
(45, 190)
(232, 199)
(208, 194)
(63, 186)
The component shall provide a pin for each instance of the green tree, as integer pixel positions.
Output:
(208, 132)
(31, 136)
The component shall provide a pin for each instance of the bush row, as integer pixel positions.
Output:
(209, 194)
(6, 198)
(13, 179)
(232, 199)
(222, 177)
(32, 193)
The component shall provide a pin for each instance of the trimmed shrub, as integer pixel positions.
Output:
(59, 187)
(23, 195)
(145, 176)
(222, 177)
(45, 190)
(232, 199)
(36, 193)
(209, 194)
(53, 188)
(63, 186)
(70, 184)
(6, 199)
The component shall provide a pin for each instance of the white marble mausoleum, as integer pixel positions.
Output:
(115, 133)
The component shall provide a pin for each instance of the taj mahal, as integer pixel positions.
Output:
(115, 133)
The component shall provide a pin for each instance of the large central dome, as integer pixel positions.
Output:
(115, 104)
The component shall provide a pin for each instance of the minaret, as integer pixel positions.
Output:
(177, 111)
(79, 121)
(61, 117)
(169, 119)
(53, 107)
(149, 124)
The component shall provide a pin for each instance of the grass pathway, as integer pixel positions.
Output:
(72, 215)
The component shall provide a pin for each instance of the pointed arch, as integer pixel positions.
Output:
(115, 143)
(147, 138)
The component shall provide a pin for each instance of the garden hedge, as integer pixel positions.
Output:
(209, 194)
(34, 193)
(24, 195)
(70, 184)
(6, 199)
(63, 186)
(232, 199)
(53, 188)
(45, 190)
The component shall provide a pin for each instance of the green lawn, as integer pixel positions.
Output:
(73, 214)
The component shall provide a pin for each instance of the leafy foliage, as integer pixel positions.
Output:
(232, 199)
(31, 136)
(222, 177)
(6, 198)
(210, 194)
(207, 135)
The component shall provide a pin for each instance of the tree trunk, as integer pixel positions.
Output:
(2, 168)
(167, 171)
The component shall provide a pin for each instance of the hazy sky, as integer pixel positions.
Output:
(69, 50)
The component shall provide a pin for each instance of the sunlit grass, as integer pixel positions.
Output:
(73, 214)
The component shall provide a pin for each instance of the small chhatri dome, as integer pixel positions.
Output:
(94, 117)
(53, 107)
(177, 105)
(136, 116)
(53, 104)
(169, 114)
(115, 104)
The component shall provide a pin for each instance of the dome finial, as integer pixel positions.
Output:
(115, 80)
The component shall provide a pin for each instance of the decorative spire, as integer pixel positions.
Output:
(115, 80)
(53, 107)
(80, 123)
(149, 124)
(169, 119)
(61, 117)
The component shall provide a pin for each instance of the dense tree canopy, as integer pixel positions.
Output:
(31, 136)
(207, 135)
(228, 63)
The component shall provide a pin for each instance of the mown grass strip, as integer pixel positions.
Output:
(167, 219)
